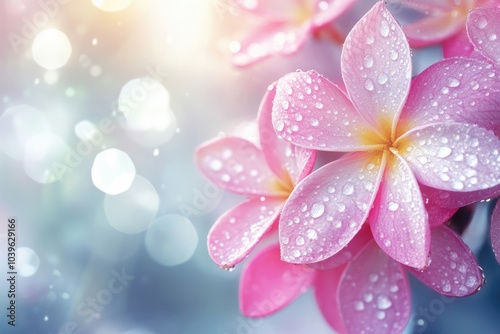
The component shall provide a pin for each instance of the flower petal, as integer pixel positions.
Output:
(453, 270)
(326, 292)
(398, 218)
(347, 253)
(374, 296)
(327, 209)
(453, 156)
(238, 231)
(436, 213)
(483, 28)
(268, 284)
(285, 159)
(376, 67)
(495, 231)
(456, 89)
(328, 11)
(275, 37)
(432, 29)
(453, 199)
(457, 45)
(237, 165)
(311, 112)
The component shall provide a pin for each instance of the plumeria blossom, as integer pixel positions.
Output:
(267, 175)
(360, 289)
(286, 25)
(442, 21)
(483, 28)
(400, 137)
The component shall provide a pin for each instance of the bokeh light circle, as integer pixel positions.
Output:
(17, 125)
(47, 158)
(133, 210)
(51, 49)
(28, 261)
(113, 171)
(171, 240)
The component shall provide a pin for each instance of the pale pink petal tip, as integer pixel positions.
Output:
(238, 231)
(237, 165)
(374, 294)
(483, 28)
(264, 276)
(495, 231)
(453, 269)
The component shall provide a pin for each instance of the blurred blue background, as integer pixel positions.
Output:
(137, 85)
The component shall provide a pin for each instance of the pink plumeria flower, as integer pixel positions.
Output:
(267, 175)
(286, 25)
(442, 21)
(399, 136)
(360, 289)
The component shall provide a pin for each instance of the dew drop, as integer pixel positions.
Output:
(382, 78)
(298, 117)
(337, 224)
(317, 210)
(215, 165)
(368, 61)
(393, 206)
(330, 190)
(394, 55)
(373, 278)
(383, 302)
(481, 22)
(457, 185)
(380, 315)
(284, 104)
(453, 82)
(300, 241)
(368, 297)
(492, 37)
(444, 152)
(314, 122)
(280, 125)
(384, 29)
(319, 105)
(359, 305)
(370, 39)
(348, 189)
(285, 240)
(369, 85)
(312, 234)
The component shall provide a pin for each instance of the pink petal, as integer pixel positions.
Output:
(330, 10)
(483, 27)
(327, 209)
(275, 37)
(432, 29)
(374, 295)
(436, 214)
(495, 231)
(458, 89)
(312, 112)
(452, 199)
(237, 165)
(287, 161)
(453, 270)
(453, 156)
(238, 231)
(268, 284)
(398, 218)
(347, 253)
(376, 67)
(457, 45)
(326, 292)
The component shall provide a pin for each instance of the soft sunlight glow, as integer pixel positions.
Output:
(112, 5)
(28, 261)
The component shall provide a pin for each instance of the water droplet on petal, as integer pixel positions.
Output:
(359, 305)
(312, 234)
(284, 104)
(319, 105)
(383, 302)
(348, 189)
(393, 206)
(443, 152)
(317, 210)
(453, 82)
(384, 29)
(382, 78)
(482, 22)
(300, 241)
(369, 85)
(280, 125)
(368, 61)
